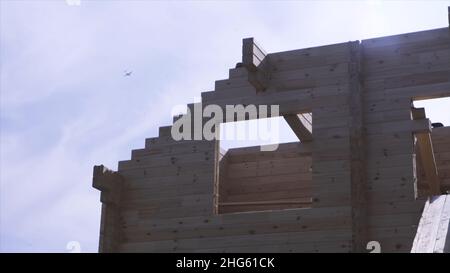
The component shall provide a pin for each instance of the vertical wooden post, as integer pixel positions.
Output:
(357, 150)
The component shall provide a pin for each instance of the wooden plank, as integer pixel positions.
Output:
(252, 53)
(254, 60)
(433, 226)
(414, 126)
(305, 61)
(299, 126)
(428, 162)
(440, 34)
(263, 196)
(316, 73)
(307, 200)
(255, 242)
(442, 244)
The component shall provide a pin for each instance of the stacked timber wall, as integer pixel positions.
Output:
(359, 171)
(396, 71)
(255, 180)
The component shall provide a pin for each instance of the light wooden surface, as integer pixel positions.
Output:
(359, 170)
(433, 233)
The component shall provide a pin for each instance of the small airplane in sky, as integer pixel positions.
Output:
(127, 73)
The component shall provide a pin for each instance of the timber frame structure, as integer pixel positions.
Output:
(362, 173)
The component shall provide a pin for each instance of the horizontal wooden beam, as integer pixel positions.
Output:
(271, 202)
(418, 113)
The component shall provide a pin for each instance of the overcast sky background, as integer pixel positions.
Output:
(66, 106)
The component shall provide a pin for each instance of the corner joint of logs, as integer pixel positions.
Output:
(257, 63)
(109, 183)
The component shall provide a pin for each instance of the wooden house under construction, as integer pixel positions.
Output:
(366, 165)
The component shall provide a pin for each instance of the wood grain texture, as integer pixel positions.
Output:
(355, 180)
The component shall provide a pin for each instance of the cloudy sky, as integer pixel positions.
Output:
(66, 106)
